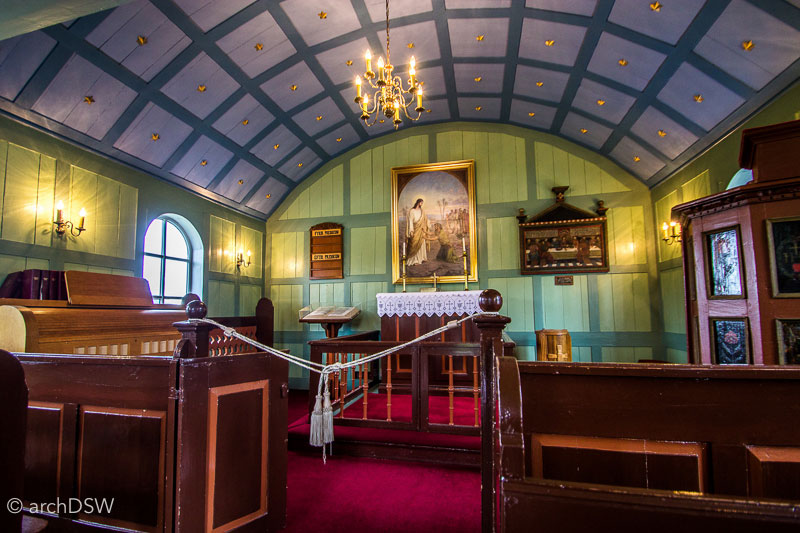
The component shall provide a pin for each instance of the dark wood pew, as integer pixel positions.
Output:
(192, 442)
(13, 402)
(692, 448)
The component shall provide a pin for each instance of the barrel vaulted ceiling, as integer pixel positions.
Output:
(240, 100)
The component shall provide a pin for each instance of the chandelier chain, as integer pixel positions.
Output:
(388, 61)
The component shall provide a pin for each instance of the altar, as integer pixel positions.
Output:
(407, 315)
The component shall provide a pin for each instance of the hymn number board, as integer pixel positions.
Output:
(327, 251)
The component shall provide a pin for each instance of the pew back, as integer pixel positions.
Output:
(696, 446)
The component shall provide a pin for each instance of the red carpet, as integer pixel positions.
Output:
(352, 494)
(438, 408)
(401, 411)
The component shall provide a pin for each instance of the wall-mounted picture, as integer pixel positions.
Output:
(433, 222)
(725, 272)
(730, 341)
(788, 341)
(563, 238)
(783, 236)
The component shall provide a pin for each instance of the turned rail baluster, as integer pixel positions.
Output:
(475, 389)
(450, 388)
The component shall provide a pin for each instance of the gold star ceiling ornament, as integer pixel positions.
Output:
(391, 97)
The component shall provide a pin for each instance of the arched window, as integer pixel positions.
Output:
(167, 260)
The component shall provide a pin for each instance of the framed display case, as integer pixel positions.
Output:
(724, 265)
(730, 340)
(783, 236)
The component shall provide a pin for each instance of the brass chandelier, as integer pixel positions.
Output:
(389, 97)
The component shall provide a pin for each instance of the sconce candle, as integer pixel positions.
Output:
(672, 232)
(61, 225)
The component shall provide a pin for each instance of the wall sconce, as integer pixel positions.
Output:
(672, 232)
(242, 260)
(61, 225)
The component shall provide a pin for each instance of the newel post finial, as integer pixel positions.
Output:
(194, 335)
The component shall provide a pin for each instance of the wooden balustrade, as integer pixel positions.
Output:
(354, 392)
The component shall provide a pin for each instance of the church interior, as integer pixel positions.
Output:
(589, 210)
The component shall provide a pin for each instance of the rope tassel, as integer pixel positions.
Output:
(327, 418)
(315, 435)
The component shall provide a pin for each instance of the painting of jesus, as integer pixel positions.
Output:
(433, 222)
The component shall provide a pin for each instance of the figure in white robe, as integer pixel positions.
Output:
(416, 233)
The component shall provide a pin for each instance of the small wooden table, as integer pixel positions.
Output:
(331, 318)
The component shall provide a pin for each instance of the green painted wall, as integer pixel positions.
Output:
(611, 317)
(37, 170)
(709, 173)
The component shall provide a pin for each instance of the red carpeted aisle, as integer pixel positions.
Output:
(352, 494)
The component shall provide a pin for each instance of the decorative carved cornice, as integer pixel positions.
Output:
(752, 193)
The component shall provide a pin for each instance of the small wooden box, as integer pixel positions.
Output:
(553, 345)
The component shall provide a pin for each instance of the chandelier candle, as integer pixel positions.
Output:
(391, 95)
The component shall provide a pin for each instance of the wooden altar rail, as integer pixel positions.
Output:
(354, 386)
(644, 447)
(182, 443)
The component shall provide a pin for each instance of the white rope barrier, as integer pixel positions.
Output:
(321, 432)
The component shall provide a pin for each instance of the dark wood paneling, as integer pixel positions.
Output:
(624, 462)
(774, 472)
(238, 454)
(580, 508)
(133, 474)
(43, 451)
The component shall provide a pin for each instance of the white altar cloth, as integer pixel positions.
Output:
(428, 303)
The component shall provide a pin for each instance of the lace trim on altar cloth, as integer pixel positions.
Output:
(428, 303)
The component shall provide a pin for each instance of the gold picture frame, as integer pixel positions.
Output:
(433, 221)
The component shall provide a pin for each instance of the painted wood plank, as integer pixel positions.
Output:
(582, 354)
(494, 241)
(677, 356)
(672, 300)
(622, 287)
(545, 179)
(639, 236)
(337, 191)
(226, 299)
(610, 184)
(495, 169)
(318, 201)
(640, 301)
(379, 245)
(356, 181)
(19, 208)
(605, 294)
(448, 146)
(560, 169)
(107, 213)
(696, 187)
(128, 212)
(507, 190)
(249, 295)
(9, 264)
(522, 170)
(35, 262)
(43, 235)
(3, 160)
(577, 176)
(482, 166)
(594, 178)
(554, 308)
(83, 195)
(663, 207)
(122, 272)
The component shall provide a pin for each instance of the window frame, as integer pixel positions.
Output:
(162, 257)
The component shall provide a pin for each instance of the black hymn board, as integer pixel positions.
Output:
(327, 251)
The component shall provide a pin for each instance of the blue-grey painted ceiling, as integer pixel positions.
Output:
(240, 100)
